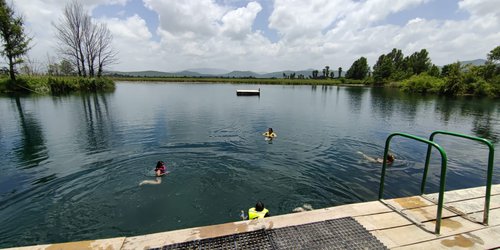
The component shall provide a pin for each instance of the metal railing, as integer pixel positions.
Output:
(442, 181)
(490, 167)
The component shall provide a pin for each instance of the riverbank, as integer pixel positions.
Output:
(275, 81)
(422, 84)
(55, 85)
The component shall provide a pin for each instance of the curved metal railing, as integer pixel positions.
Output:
(490, 167)
(442, 181)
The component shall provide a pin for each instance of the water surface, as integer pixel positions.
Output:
(71, 165)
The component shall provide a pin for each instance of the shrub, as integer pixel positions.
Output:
(483, 88)
(422, 83)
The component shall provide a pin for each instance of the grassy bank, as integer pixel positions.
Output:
(55, 85)
(246, 80)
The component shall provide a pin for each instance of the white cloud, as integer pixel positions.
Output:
(480, 8)
(192, 17)
(222, 34)
(238, 23)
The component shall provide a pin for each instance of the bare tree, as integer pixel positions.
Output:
(89, 42)
(70, 35)
(105, 53)
(82, 41)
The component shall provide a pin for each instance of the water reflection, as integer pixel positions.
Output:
(484, 120)
(482, 111)
(356, 95)
(382, 102)
(33, 149)
(97, 122)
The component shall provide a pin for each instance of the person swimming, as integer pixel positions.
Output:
(259, 211)
(390, 158)
(160, 170)
(270, 134)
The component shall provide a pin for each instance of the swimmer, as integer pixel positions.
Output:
(390, 158)
(269, 134)
(160, 171)
(259, 211)
(305, 207)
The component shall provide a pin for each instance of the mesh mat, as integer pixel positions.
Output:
(343, 233)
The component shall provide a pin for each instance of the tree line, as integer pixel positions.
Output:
(416, 73)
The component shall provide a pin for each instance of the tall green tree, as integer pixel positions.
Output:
(383, 68)
(15, 43)
(419, 62)
(434, 71)
(340, 72)
(315, 74)
(453, 81)
(494, 55)
(358, 70)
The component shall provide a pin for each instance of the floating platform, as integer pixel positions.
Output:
(368, 225)
(248, 92)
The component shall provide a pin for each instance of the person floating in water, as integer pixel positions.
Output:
(258, 211)
(160, 171)
(269, 134)
(390, 158)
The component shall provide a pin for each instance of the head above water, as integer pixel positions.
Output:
(390, 158)
(270, 130)
(159, 164)
(259, 206)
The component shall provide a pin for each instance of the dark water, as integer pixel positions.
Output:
(70, 166)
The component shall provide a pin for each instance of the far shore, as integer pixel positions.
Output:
(274, 81)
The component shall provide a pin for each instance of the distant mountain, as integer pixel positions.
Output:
(476, 62)
(205, 73)
(242, 74)
(152, 73)
(148, 73)
(209, 71)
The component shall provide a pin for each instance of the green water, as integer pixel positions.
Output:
(71, 165)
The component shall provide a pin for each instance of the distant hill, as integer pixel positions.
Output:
(151, 73)
(205, 73)
(241, 74)
(476, 62)
(209, 71)
(148, 73)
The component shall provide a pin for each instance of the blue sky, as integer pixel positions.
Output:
(274, 35)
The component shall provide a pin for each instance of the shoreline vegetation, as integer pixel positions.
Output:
(464, 85)
(55, 85)
(247, 80)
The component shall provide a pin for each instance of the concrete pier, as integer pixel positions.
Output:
(402, 223)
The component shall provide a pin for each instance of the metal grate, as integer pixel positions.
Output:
(343, 233)
(250, 240)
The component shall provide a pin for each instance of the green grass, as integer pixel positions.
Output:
(55, 85)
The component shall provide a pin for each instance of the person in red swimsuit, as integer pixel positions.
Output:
(160, 169)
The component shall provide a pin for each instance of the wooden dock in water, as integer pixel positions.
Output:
(402, 223)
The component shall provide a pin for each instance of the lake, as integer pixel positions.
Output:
(71, 165)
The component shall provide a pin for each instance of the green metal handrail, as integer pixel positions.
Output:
(489, 176)
(442, 181)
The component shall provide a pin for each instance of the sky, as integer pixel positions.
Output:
(273, 35)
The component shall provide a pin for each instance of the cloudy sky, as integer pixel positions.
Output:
(274, 35)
